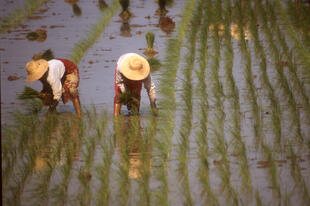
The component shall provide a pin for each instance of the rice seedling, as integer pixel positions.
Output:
(47, 55)
(259, 51)
(19, 14)
(102, 5)
(145, 149)
(125, 14)
(103, 170)
(297, 176)
(186, 96)
(239, 145)
(303, 53)
(167, 103)
(248, 74)
(300, 21)
(201, 135)
(298, 85)
(282, 79)
(162, 7)
(272, 172)
(84, 44)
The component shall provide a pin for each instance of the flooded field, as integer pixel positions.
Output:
(232, 91)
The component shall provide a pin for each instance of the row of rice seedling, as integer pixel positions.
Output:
(103, 171)
(248, 74)
(282, 81)
(299, 16)
(94, 135)
(93, 35)
(220, 146)
(272, 173)
(298, 178)
(207, 194)
(167, 104)
(145, 149)
(72, 135)
(187, 106)
(19, 14)
(299, 48)
(292, 67)
(266, 85)
(233, 97)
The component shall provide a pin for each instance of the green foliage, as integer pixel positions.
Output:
(150, 37)
(28, 93)
(76, 10)
(155, 64)
(124, 4)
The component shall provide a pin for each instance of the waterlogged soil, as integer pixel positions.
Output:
(64, 29)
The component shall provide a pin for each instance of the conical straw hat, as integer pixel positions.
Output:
(36, 69)
(135, 67)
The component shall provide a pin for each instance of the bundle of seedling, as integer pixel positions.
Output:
(150, 52)
(125, 14)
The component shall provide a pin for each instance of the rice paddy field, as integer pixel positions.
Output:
(232, 85)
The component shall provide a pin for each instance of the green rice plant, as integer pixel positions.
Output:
(239, 145)
(19, 14)
(186, 96)
(201, 135)
(297, 176)
(298, 86)
(155, 64)
(150, 52)
(102, 5)
(258, 199)
(259, 51)
(282, 79)
(145, 149)
(303, 53)
(272, 172)
(125, 14)
(300, 20)
(248, 73)
(103, 171)
(162, 7)
(93, 35)
(28, 93)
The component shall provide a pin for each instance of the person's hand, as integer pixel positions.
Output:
(154, 108)
(53, 106)
(46, 98)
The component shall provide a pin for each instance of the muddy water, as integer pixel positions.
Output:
(64, 29)
(96, 87)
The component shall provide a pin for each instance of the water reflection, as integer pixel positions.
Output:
(235, 32)
(133, 148)
(77, 11)
(125, 29)
(64, 139)
(166, 24)
(39, 35)
(102, 5)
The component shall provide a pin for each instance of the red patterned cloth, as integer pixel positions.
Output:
(70, 81)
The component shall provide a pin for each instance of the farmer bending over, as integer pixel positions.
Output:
(131, 71)
(60, 79)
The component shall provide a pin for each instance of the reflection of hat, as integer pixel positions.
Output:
(135, 67)
(36, 69)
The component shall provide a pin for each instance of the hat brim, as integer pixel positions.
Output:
(42, 67)
(135, 74)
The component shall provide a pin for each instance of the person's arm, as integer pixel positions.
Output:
(150, 88)
(120, 81)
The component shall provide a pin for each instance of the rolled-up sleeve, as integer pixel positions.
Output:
(119, 80)
(55, 73)
(150, 88)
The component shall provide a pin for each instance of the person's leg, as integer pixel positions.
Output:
(117, 109)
